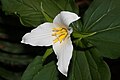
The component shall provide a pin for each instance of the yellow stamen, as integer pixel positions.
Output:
(56, 40)
(62, 37)
(60, 34)
(57, 29)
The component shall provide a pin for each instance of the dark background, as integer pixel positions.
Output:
(14, 31)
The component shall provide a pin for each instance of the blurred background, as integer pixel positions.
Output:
(15, 57)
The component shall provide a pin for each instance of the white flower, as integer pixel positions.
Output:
(56, 34)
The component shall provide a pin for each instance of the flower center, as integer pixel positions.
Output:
(60, 34)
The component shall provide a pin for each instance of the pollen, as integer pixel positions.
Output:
(60, 34)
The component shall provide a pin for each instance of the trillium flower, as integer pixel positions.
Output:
(56, 34)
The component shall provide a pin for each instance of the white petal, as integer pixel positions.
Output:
(40, 36)
(64, 53)
(65, 18)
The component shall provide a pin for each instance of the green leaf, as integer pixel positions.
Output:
(36, 71)
(29, 11)
(47, 53)
(88, 66)
(81, 36)
(104, 19)
(103, 68)
(53, 7)
(45, 14)
(74, 6)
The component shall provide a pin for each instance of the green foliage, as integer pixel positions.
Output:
(55, 6)
(88, 66)
(29, 11)
(47, 53)
(36, 71)
(98, 36)
(104, 19)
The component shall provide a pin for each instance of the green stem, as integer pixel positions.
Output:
(81, 36)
